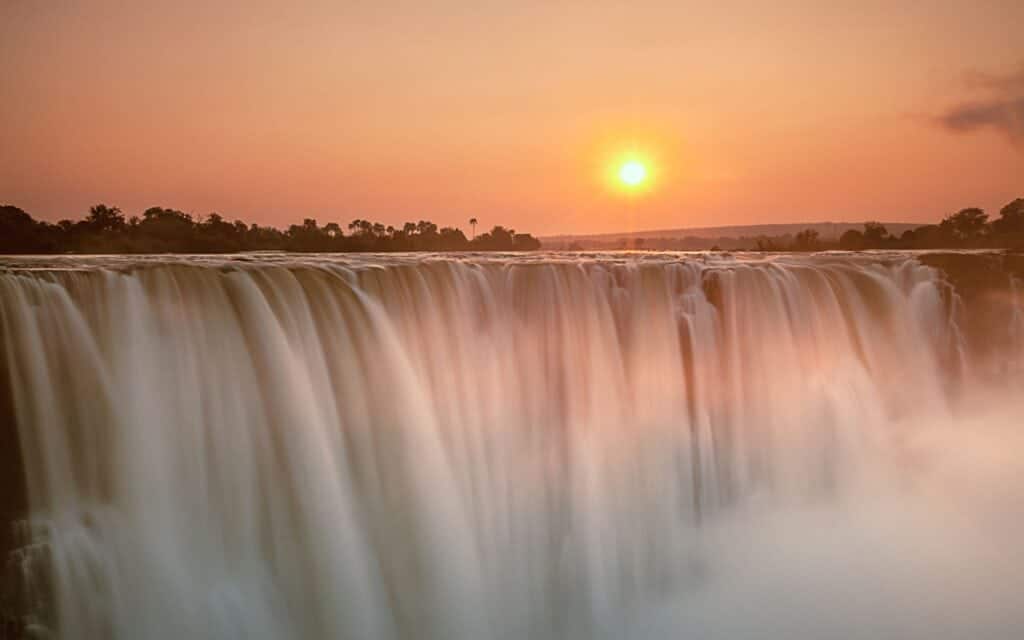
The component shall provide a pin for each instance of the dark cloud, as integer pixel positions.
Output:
(1006, 115)
(1000, 108)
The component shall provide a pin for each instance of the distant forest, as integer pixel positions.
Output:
(106, 230)
(968, 228)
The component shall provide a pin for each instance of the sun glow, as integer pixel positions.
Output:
(632, 173)
(631, 164)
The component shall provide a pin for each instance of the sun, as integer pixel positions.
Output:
(629, 172)
(632, 173)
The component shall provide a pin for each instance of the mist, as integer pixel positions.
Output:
(640, 445)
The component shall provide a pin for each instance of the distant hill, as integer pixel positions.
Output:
(705, 237)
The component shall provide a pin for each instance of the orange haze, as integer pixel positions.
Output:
(751, 112)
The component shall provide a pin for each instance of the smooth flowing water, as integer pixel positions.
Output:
(532, 446)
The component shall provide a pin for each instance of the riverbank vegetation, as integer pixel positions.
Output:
(106, 229)
(968, 228)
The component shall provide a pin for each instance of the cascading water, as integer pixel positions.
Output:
(467, 448)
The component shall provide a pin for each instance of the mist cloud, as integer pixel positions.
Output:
(1001, 107)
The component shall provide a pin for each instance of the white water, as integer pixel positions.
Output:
(648, 446)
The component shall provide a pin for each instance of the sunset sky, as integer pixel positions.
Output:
(746, 112)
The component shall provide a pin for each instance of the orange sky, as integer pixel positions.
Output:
(752, 112)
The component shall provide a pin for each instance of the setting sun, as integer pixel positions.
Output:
(632, 173)
(481, 320)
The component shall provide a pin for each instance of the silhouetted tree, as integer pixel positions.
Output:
(472, 223)
(765, 243)
(453, 239)
(966, 225)
(875, 235)
(103, 219)
(307, 237)
(851, 240)
(161, 230)
(167, 230)
(216, 235)
(361, 227)
(806, 240)
(525, 242)
(1011, 218)
(19, 233)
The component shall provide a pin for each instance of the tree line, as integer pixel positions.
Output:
(158, 230)
(105, 229)
(966, 229)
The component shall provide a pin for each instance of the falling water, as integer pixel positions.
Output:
(633, 445)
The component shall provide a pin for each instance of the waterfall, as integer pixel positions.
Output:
(447, 447)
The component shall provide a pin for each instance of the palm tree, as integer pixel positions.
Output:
(472, 223)
(103, 218)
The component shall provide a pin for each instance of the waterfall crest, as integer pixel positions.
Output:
(436, 447)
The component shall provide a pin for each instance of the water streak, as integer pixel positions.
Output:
(431, 447)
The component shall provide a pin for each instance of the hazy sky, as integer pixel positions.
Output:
(748, 112)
